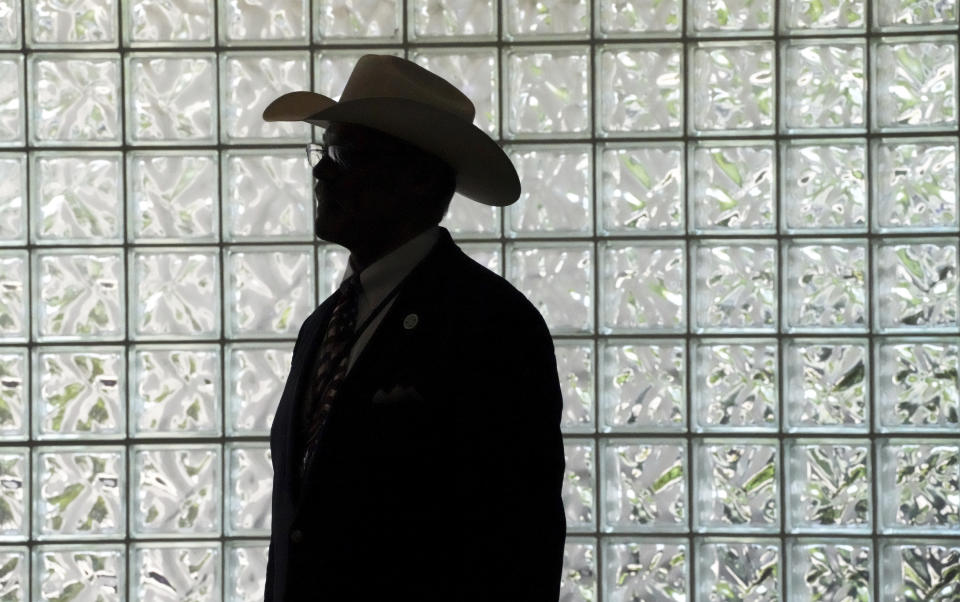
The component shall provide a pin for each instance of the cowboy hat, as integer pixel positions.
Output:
(401, 98)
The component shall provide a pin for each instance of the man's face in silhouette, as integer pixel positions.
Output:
(375, 199)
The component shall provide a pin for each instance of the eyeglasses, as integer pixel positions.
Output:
(346, 157)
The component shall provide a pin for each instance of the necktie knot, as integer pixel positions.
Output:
(351, 286)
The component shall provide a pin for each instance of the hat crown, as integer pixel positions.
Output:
(388, 76)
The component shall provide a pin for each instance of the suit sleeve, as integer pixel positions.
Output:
(268, 587)
(520, 550)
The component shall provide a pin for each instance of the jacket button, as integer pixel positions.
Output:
(296, 536)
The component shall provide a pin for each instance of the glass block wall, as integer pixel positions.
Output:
(739, 219)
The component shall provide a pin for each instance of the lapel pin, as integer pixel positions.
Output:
(410, 321)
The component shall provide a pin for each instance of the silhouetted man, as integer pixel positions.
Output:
(416, 448)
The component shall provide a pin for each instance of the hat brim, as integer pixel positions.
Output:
(484, 171)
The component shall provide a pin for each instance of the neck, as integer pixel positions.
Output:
(365, 252)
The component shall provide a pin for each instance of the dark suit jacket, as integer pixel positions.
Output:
(453, 498)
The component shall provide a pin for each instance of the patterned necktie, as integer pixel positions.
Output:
(332, 364)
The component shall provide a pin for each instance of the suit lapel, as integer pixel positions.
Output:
(418, 296)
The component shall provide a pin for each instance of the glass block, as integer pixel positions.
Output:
(12, 97)
(641, 568)
(486, 254)
(435, 21)
(641, 188)
(79, 492)
(244, 75)
(87, 24)
(643, 484)
(542, 272)
(619, 19)
(246, 576)
(733, 87)
(250, 474)
(803, 16)
(919, 486)
(269, 290)
(735, 286)
(167, 23)
(642, 287)
(15, 579)
(553, 19)
(13, 193)
(10, 29)
(828, 485)
(732, 187)
(79, 392)
(826, 285)
(267, 196)
(14, 291)
(919, 570)
(14, 396)
(471, 70)
(915, 184)
(735, 485)
(643, 386)
(175, 294)
(640, 89)
(547, 92)
(170, 100)
(561, 204)
(14, 495)
(735, 17)
(904, 14)
(578, 580)
(916, 83)
(823, 87)
(175, 391)
(79, 572)
(830, 570)
(74, 98)
(739, 569)
(175, 490)
(575, 369)
(343, 21)
(917, 387)
(172, 196)
(824, 185)
(332, 262)
(579, 485)
(735, 386)
(79, 295)
(916, 284)
(176, 571)
(256, 376)
(278, 22)
(76, 198)
(826, 385)
(468, 218)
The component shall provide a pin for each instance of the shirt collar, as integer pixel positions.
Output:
(381, 276)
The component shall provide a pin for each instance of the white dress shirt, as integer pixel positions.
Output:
(380, 277)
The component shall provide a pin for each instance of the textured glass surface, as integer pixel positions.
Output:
(579, 496)
(829, 485)
(79, 492)
(643, 386)
(741, 569)
(646, 569)
(738, 218)
(827, 385)
(824, 185)
(831, 571)
(643, 485)
(734, 386)
(736, 485)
